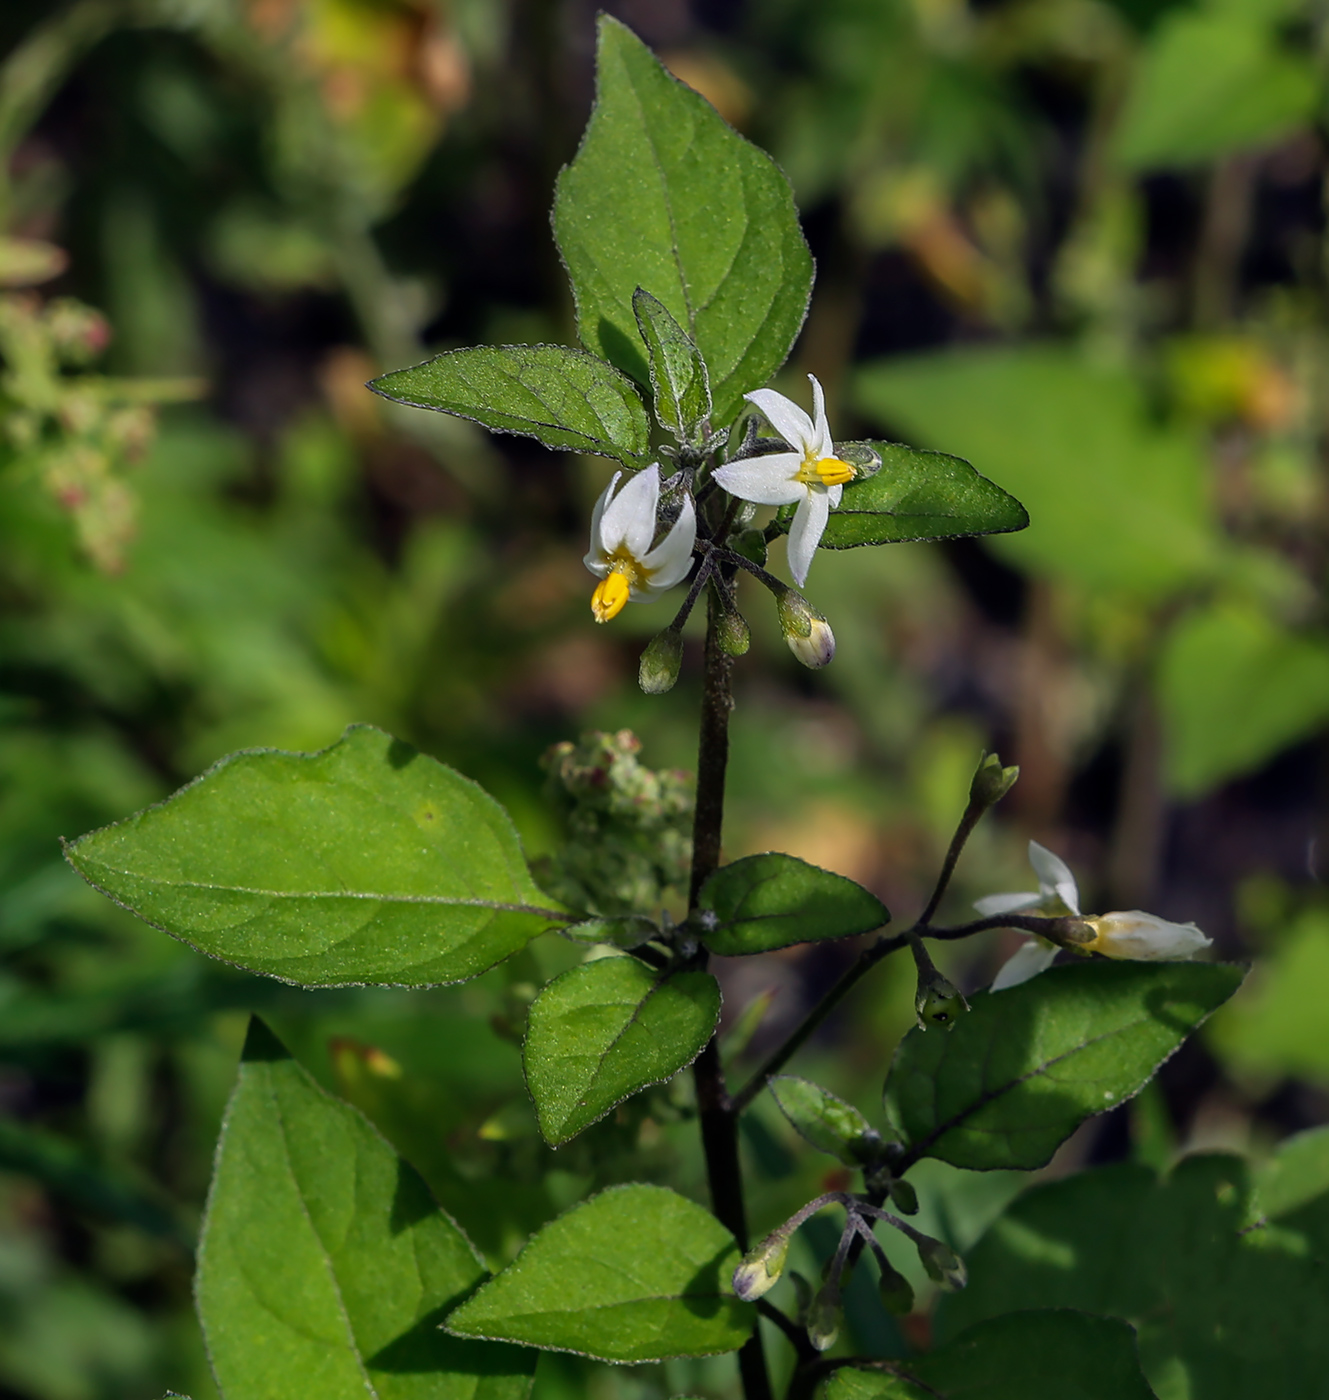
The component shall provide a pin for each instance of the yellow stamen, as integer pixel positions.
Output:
(829, 471)
(610, 596)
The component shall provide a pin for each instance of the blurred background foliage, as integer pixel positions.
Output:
(1080, 242)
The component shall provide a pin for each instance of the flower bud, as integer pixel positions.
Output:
(938, 1002)
(751, 544)
(660, 662)
(896, 1294)
(1135, 934)
(903, 1196)
(991, 782)
(808, 633)
(824, 1318)
(761, 1267)
(943, 1264)
(731, 631)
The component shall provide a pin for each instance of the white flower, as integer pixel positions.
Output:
(1135, 934)
(622, 528)
(811, 476)
(1057, 895)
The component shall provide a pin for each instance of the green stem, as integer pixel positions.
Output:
(718, 1116)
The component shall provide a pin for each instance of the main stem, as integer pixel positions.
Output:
(719, 1118)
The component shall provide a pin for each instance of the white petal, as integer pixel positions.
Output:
(1028, 960)
(805, 533)
(1005, 903)
(1054, 875)
(1135, 934)
(785, 416)
(597, 517)
(833, 494)
(629, 519)
(668, 563)
(769, 481)
(821, 443)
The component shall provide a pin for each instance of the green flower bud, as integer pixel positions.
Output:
(731, 631)
(896, 1294)
(943, 1264)
(903, 1196)
(991, 782)
(824, 1319)
(660, 662)
(761, 1267)
(938, 1003)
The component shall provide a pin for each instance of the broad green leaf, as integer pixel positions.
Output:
(1017, 1075)
(678, 372)
(769, 901)
(1235, 688)
(566, 398)
(1054, 1354)
(665, 196)
(1296, 1175)
(1275, 1025)
(920, 496)
(1228, 1298)
(367, 862)
(605, 1029)
(1115, 501)
(826, 1121)
(1209, 84)
(325, 1267)
(637, 1273)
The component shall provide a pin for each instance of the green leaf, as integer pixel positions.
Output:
(829, 1123)
(665, 196)
(920, 496)
(565, 398)
(1236, 688)
(769, 901)
(678, 373)
(1017, 1075)
(1047, 1355)
(1117, 502)
(1228, 1297)
(325, 1267)
(605, 1029)
(1296, 1175)
(1209, 84)
(637, 1273)
(367, 862)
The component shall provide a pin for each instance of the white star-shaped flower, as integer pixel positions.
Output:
(622, 529)
(811, 476)
(1057, 894)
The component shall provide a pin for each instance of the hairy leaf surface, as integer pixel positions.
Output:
(678, 373)
(829, 1123)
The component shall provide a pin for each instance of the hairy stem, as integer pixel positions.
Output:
(719, 1118)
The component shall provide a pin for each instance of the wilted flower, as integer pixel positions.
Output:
(811, 476)
(1057, 894)
(1134, 934)
(623, 527)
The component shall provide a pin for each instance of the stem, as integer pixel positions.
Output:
(973, 814)
(719, 1118)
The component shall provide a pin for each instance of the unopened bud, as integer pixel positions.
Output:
(938, 1002)
(896, 1294)
(660, 662)
(991, 782)
(731, 631)
(824, 1319)
(903, 1196)
(808, 633)
(1135, 934)
(761, 1267)
(943, 1264)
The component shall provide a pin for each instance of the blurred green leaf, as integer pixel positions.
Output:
(678, 372)
(1016, 1076)
(829, 1123)
(759, 903)
(1054, 1354)
(605, 1029)
(1296, 1175)
(665, 196)
(637, 1273)
(1275, 1025)
(1208, 84)
(1115, 501)
(1235, 689)
(1225, 1306)
(565, 398)
(367, 862)
(325, 1266)
(920, 496)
